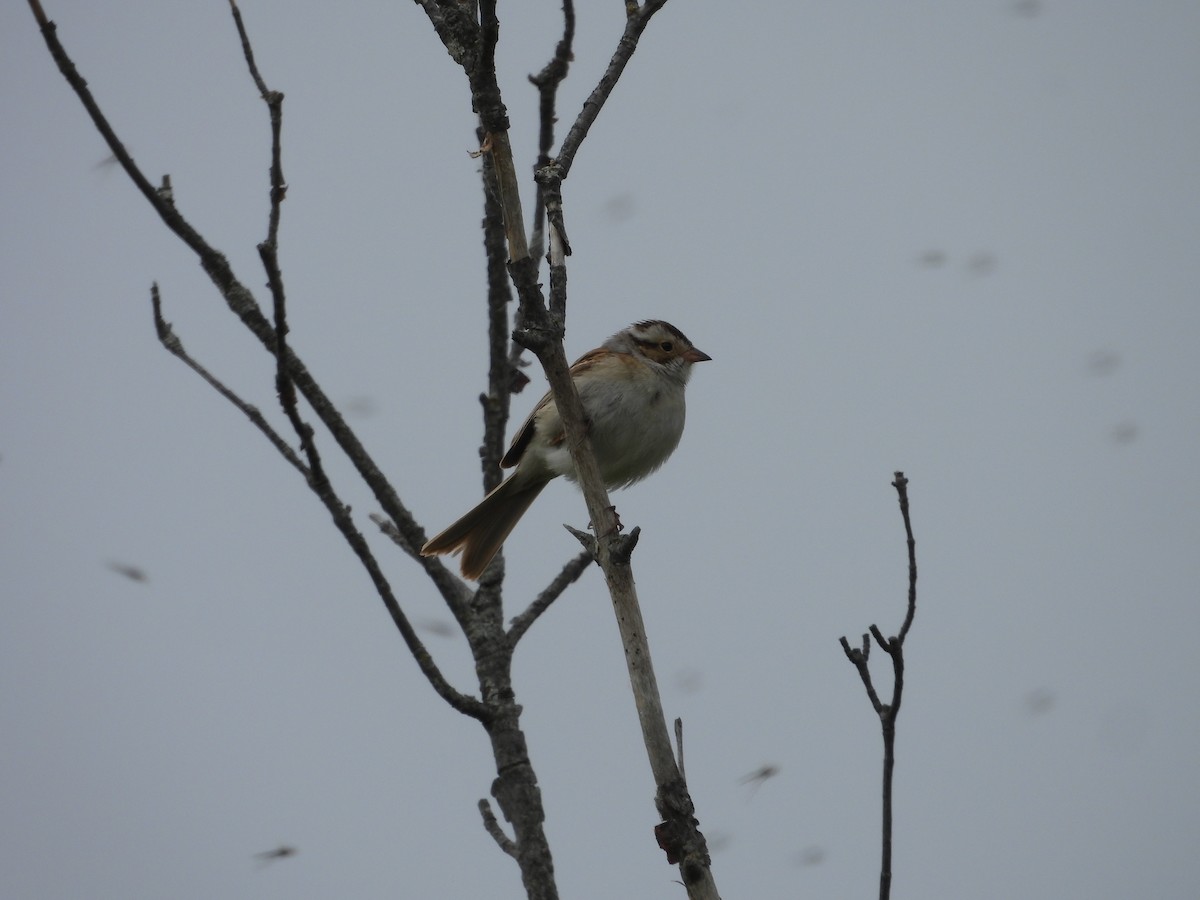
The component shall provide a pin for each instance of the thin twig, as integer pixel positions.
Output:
(161, 202)
(168, 338)
(503, 841)
(463, 703)
(679, 747)
(241, 302)
(859, 658)
(274, 101)
(547, 82)
(247, 50)
(901, 485)
(549, 177)
(635, 23)
(565, 578)
(318, 480)
(887, 712)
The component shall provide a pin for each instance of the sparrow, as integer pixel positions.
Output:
(631, 387)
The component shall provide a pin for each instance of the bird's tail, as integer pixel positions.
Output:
(479, 534)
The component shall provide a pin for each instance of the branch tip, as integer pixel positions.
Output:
(39, 14)
(503, 841)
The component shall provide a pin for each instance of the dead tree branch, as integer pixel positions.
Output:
(315, 477)
(887, 712)
(547, 81)
(564, 579)
(242, 303)
(492, 827)
(169, 340)
(469, 32)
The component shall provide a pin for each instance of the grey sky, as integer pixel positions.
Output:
(954, 238)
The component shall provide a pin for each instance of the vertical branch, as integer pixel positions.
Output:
(679, 834)
(550, 194)
(268, 252)
(553, 173)
(274, 101)
(887, 712)
(504, 378)
(494, 119)
(547, 82)
(637, 18)
(509, 191)
(901, 485)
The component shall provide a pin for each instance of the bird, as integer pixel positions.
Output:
(631, 387)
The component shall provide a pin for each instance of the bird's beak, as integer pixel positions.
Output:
(695, 355)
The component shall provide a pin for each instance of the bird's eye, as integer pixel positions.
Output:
(666, 345)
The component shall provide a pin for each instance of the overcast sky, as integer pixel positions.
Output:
(954, 238)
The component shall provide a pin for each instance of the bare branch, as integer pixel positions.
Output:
(547, 82)
(469, 29)
(635, 23)
(859, 659)
(161, 202)
(274, 101)
(901, 486)
(388, 528)
(472, 44)
(242, 303)
(457, 29)
(464, 703)
(569, 575)
(503, 841)
(894, 648)
(247, 50)
(550, 176)
(174, 345)
(316, 479)
(678, 835)
(679, 746)
(503, 376)
(493, 117)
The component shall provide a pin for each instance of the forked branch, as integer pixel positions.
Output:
(241, 301)
(887, 712)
